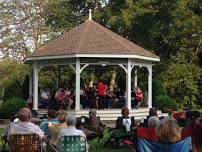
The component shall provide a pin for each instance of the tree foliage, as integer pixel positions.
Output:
(172, 29)
(62, 15)
(22, 27)
(12, 76)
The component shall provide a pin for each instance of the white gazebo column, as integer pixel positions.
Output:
(30, 81)
(35, 89)
(149, 86)
(57, 76)
(77, 99)
(128, 85)
(135, 79)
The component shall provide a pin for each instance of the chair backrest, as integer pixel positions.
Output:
(146, 133)
(147, 142)
(145, 145)
(25, 143)
(71, 144)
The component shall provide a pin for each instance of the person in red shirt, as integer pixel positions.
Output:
(101, 92)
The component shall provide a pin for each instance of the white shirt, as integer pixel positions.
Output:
(24, 127)
(71, 131)
(127, 123)
(44, 95)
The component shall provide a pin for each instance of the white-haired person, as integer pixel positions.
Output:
(71, 129)
(153, 121)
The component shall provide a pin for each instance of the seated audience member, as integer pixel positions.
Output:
(92, 126)
(71, 129)
(152, 112)
(62, 117)
(153, 121)
(194, 127)
(24, 125)
(182, 121)
(197, 135)
(168, 131)
(54, 128)
(124, 126)
(51, 117)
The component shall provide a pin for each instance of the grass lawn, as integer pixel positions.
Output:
(124, 149)
(107, 149)
(2, 131)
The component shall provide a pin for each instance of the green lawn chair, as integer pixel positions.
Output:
(71, 144)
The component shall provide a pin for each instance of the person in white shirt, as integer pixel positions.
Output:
(71, 129)
(45, 98)
(24, 125)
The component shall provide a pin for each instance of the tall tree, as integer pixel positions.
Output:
(62, 15)
(22, 27)
(173, 29)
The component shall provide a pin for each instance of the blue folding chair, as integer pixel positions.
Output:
(145, 145)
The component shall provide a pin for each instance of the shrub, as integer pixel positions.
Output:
(11, 106)
(164, 101)
(13, 90)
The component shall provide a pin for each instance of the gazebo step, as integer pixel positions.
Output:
(111, 114)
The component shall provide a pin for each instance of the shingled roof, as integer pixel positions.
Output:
(91, 38)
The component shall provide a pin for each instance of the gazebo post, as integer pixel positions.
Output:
(135, 79)
(149, 86)
(30, 81)
(128, 84)
(57, 76)
(35, 90)
(77, 98)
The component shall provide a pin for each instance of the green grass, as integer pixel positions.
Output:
(2, 131)
(114, 149)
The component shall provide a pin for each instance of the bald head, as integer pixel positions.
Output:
(25, 115)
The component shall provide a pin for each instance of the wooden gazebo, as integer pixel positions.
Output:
(90, 44)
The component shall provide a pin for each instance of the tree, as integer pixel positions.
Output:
(173, 29)
(12, 73)
(22, 27)
(63, 15)
(180, 79)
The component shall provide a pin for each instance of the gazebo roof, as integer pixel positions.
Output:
(90, 39)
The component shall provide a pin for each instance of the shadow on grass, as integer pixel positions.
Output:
(122, 149)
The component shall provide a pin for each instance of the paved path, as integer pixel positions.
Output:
(3, 125)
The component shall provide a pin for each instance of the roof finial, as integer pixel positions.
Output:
(90, 16)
